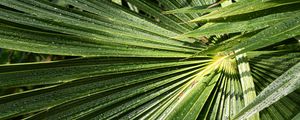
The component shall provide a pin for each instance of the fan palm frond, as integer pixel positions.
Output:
(147, 61)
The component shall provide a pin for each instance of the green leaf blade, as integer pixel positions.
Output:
(282, 86)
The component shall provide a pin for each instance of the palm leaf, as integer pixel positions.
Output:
(197, 9)
(126, 64)
(282, 86)
(287, 29)
(90, 30)
(240, 26)
(249, 9)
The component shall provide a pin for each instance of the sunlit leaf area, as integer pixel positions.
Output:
(150, 59)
